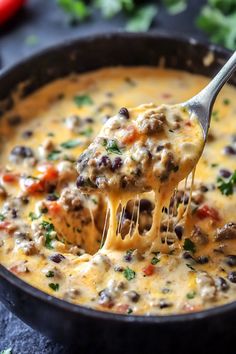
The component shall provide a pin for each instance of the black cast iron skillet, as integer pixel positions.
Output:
(84, 329)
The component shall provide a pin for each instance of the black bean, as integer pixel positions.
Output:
(118, 268)
(14, 120)
(187, 255)
(57, 258)
(105, 298)
(229, 150)
(204, 188)
(133, 296)
(160, 148)
(104, 161)
(225, 173)
(232, 277)
(127, 215)
(22, 151)
(224, 286)
(202, 260)
(27, 134)
(14, 213)
(231, 260)
(52, 197)
(146, 206)
(80, 182)
(128, 256)
(124, 112)
(164, 304)
(89, 120)
(179, 231)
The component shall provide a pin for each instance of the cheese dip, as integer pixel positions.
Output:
(57, 239)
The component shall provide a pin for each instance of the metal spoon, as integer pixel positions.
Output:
(201, 104)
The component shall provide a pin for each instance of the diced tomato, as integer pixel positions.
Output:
(50, 174)
(131, 134)
(37, 186)
(8, 8)
(9, 177)
(191, 307)
(122, 308)
(4, 225)
(206, 211)
(19, 268)
(149, 270)
(54, 208)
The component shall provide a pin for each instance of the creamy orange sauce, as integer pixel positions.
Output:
(50, 234)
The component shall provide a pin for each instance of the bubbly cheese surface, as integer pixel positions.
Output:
(51, 235)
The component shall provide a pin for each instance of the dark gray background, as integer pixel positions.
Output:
(42, 18)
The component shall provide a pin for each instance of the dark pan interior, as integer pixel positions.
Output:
(82, 328)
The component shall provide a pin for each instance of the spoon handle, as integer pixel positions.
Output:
(213, 88)
(202, 103)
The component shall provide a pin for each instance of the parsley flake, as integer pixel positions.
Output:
(112, 147)
(54, 286)
(54, 155)
(34, 216)
(50, 274)
(129, 273)
(191, 295)
(83, 100)
(2, 217)
(70, 144)
(155, 260)
(226, 185)
(189, 245)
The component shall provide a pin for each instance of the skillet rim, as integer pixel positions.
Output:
(82, 310)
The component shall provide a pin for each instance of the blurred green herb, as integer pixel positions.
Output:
(218, 20)
(174, 7)
(141, 19)
(76, 9)
(31, 40)
(226, 185)
(6, 351)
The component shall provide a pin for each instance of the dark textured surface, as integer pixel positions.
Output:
(42, 19)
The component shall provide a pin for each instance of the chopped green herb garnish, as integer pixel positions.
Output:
(226, 185)
(50, 274)
(112, 147)
(54, 155)
(83, 100)
(77, 10)
(155, 260)
(226, 101)
(87, 132)
(51, 134)
(174, 7)
(31, 40)
(94, 201)
(142, 18)
(190, 267)
(34, 216)
(129, 274)
(189, 245)
(54, 286)
(70, 144)
(6, 351)
(49, 228)
(214, 165)
(218, 19)
(2, 217)
(191, 295)
(215, 116)
(129, 311)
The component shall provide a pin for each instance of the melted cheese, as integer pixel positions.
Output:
(50, 239)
